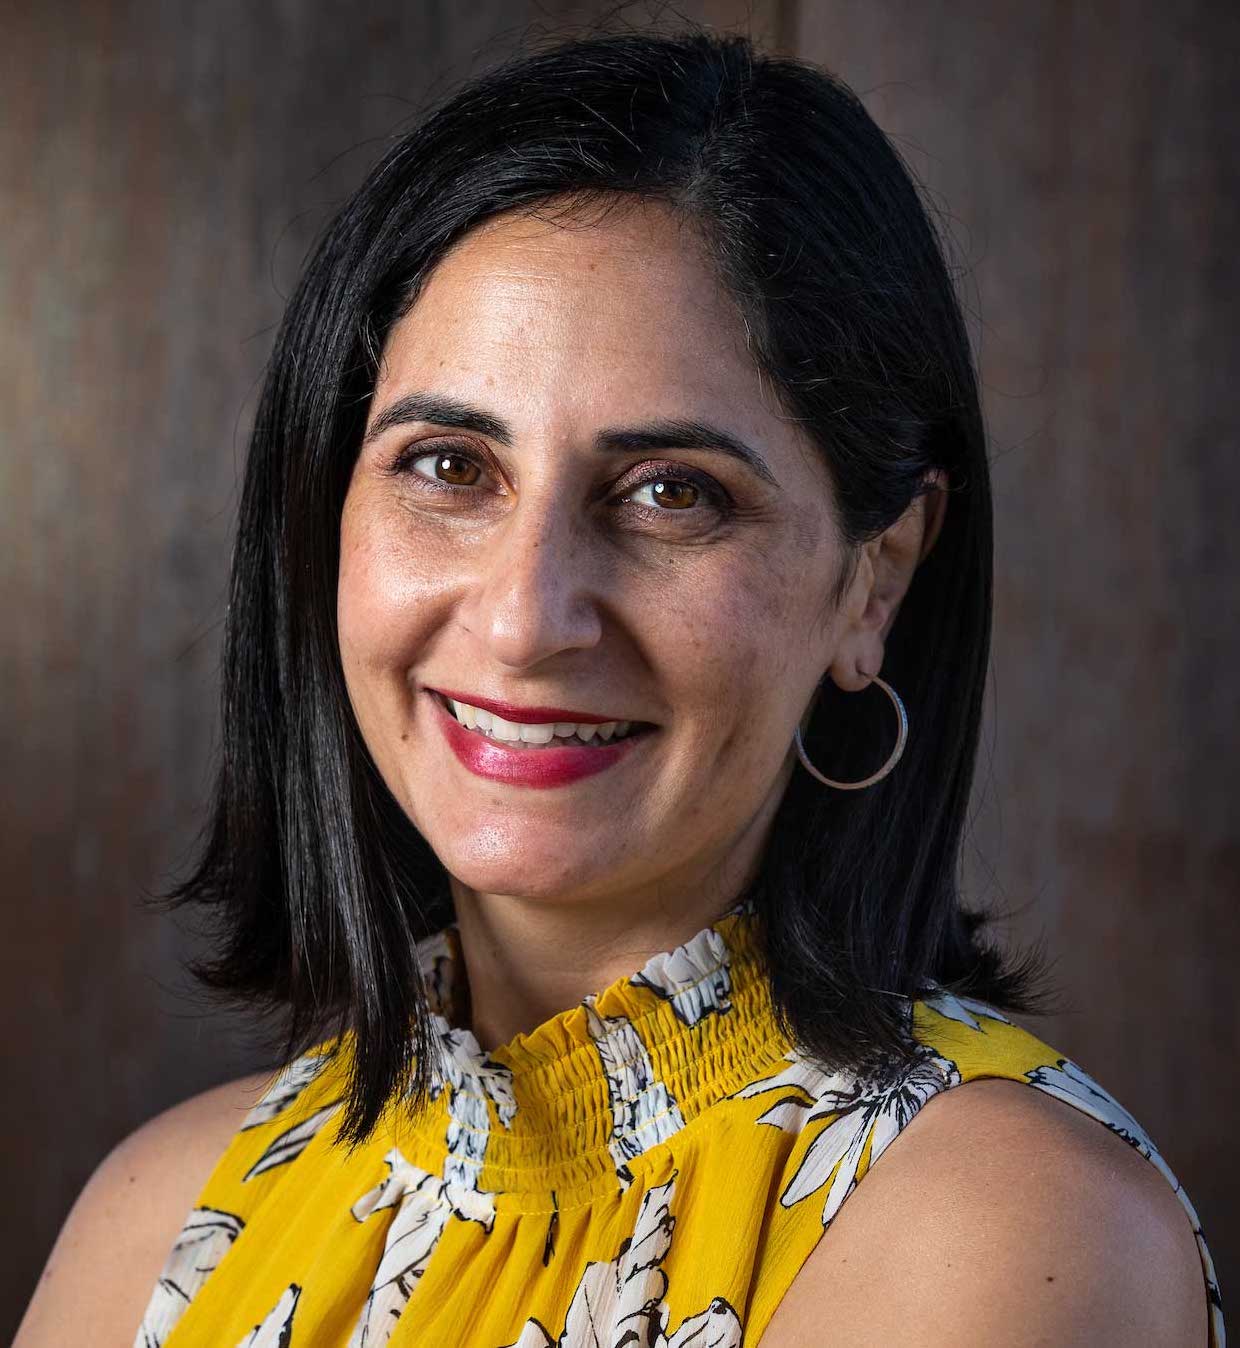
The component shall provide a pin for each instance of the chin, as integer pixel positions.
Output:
(541, 865)
(524, 881)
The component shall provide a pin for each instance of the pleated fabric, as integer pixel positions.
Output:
(651, 1167)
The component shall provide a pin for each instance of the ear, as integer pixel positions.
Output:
(883, 574)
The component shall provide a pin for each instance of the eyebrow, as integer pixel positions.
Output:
(660, 434)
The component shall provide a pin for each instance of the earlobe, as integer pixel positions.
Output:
(883, 574)
(859, 652)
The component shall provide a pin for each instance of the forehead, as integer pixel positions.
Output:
(589, 310)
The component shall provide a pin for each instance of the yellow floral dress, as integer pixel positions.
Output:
(650, 1167)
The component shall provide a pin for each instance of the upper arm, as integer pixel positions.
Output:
(1002, 1215)
(107, 1259)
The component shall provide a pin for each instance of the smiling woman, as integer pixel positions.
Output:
(539, 549)
(622, 429)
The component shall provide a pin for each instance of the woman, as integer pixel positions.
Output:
(622, 429)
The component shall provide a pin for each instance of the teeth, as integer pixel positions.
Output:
(514, 732)
(505, 730)
(466, 714)
(537, 734)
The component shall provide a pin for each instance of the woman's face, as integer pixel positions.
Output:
(577, 500)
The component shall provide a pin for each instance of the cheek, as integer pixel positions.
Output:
(735, 641)
(384, 594)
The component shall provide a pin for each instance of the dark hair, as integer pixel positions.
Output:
(315, 882)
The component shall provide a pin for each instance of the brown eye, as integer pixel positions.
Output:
(454, 469)
(673, 495)
(457, 470)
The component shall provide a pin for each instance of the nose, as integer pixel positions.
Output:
(535, 596)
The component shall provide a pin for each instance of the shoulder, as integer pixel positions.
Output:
(1003, 1215)
(113, 1244)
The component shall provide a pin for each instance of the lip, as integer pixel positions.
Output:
(528, 715)
(541, 767)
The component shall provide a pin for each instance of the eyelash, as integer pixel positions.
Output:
(716, 496)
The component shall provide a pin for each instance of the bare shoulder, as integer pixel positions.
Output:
(109, 1253)
(1002, 1215)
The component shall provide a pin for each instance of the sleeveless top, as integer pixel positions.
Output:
(652, 1166)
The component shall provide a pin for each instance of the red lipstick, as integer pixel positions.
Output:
(540, 767)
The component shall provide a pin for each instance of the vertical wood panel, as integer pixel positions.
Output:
(1086, 155)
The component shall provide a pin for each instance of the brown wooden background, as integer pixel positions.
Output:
(162, 168)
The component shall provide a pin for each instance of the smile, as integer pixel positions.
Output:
(524, 734)
(533, 753)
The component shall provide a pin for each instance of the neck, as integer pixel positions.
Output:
(528, 959)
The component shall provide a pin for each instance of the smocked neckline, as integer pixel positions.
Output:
(727, 943)
(570, 1107)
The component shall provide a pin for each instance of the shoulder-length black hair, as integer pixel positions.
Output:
(316, 883)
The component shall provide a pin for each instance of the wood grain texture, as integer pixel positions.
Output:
(163, 169)
(1084, 157)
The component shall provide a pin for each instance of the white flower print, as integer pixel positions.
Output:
(695, 977)
(1067, 1082)
(425, 1203)
(437, 962)
(967, 1010)
(860, 1110)
(276, 1329)
(289, 1145)
(471, 1078)
(642, 1108)
(287, 1087)
(466, 1071)
(621, 1302)
(718, 1326)
(289, 1083)
(205, 1239)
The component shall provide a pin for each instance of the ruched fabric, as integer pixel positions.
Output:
(652, 1166)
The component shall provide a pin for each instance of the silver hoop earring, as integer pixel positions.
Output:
(887, 766)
